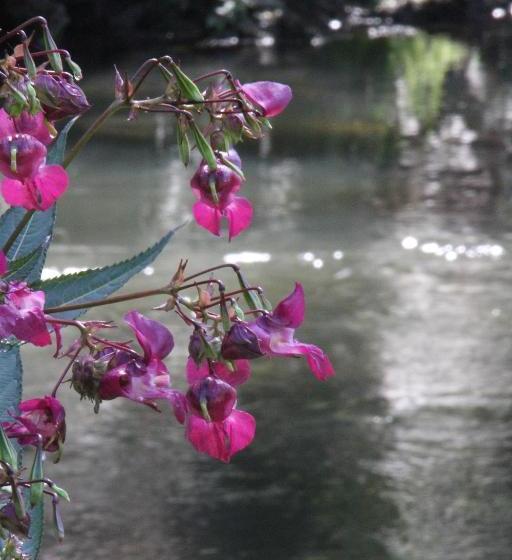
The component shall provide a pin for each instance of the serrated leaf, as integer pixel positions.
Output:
(98, 283)
(27, 268)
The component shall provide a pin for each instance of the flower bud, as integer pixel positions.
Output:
(60, 98)
(196, 347)
(211, 399)
(21, 156)
(240, 343)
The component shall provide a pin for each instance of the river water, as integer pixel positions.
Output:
(384, 189)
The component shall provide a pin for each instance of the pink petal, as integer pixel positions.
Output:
(290, 311)
(318, 361)
(16, 194)
(179, 405)
(239, 215)
(35, 125)
(51, 182)
(154, 338)
(207, 217)
(221, 440)
(196, 372)
(6, 124)
(240, 375)
(272, 97)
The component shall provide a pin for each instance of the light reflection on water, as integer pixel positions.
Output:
(403, 244)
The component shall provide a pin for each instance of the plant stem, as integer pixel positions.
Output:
(108, 301)
(19, 228)
(64, 373)
(89, 133)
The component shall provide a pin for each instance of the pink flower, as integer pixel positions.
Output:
(276, 331)
(34, 125)
(43, 417)
(216, 193)
(239, 375)
(142, 378)
(213, 425)
(271, 98)
(22, 314)
(29, 183)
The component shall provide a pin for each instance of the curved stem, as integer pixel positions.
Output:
(89, 133)
(64, 373)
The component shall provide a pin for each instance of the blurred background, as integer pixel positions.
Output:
(385, 188)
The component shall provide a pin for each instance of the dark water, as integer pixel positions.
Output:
(385, 190)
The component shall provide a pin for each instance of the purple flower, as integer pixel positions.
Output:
(240, 342)
(60, 98)
(43, 417)
(276, 331)
(22, 314)
(29, 183)
(35, 125)
(213, 425)
(4, 265)
(271, 98)
(142, 378)
(216, 193)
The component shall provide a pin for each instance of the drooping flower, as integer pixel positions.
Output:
(141, 378)
(271, 98)
(216, 190)
(43, 417)
(276, 335)
(34, 125)
(214, 426)
(59, 97)
(22, 314)
(29, 182)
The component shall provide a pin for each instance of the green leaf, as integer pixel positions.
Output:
(187, 87)
(32, 545)
(10, 381)
(57, 151)
(35, 233)
(203, 146)
(27, 268)
(98, 283)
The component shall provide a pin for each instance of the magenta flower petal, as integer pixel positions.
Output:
(39, 192)
(207, 217)
(44, 416)
(196, 372)
(317, 360)
(6, 124)
(35, 125)
(289, 312)
(179, 405)
(154, 338)
(239, 215)
(51, 183)
(221, 440)
(21, 156)
(240, 375)
(271, 97)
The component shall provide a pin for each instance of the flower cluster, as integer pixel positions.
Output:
(228, 329)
